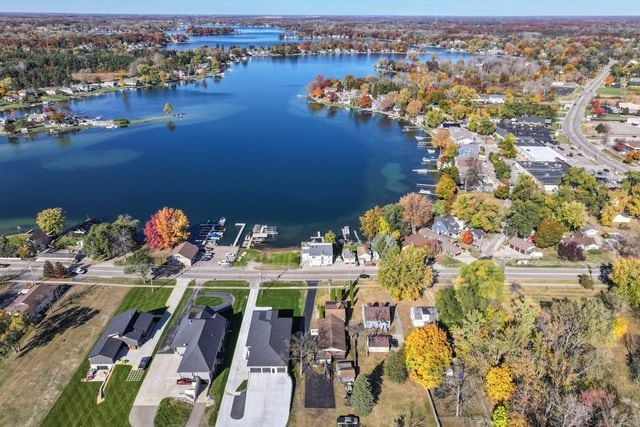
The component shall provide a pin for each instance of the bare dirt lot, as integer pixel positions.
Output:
(31, 381)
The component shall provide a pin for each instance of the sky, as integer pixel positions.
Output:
(333, 7)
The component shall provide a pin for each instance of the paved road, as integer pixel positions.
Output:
(572, 122)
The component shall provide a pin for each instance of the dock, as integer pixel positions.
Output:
(242, 226)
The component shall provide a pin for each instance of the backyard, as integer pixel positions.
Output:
(77, 403)
(78, 318)
(274, 259)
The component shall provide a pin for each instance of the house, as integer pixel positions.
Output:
(332, 339)
(477, 234)
(317, 254)
(521, 246)
(634, 81)
(621, 219)
(132, 82)
(200, 343)
(36, 300)
(346, 372)
(631, 107)
(185, 253)
(590, 231)
(586, 243)
(416, 240)
(110, 84)
(377, 316)
(379, 343)
(421, 316)
(447, 225)
(128, 330)
(268, 342)
(348, 256)
(39, 240)
(443, 243)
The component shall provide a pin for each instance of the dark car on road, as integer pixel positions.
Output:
(144, 362)
(364, 276)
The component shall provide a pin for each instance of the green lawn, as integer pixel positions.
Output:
(611, 91)
(226, 283)
(211, 301)
(172, 413)
(217, 387)
(288, 259)
(77, 403)
(77, 406)
(282, 299)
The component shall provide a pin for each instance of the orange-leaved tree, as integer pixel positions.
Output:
(166, 228)
(416, 210)
(427, 355)
(467, 237)
(499, 383)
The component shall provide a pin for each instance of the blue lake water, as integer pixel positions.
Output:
(249, 147)
(246, 36)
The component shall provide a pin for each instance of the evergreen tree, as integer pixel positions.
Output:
(362, 398)
(47, 270)
(394, 367)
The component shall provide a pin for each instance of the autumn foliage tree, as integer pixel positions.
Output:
(549, 233)
(499, 383)
(416, 210)
(427, 355)
(51, 221)
(467, 237)
(370, 222)
(166, 228)
(404, 274)
(625, 275)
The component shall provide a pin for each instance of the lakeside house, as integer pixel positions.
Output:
(349, 256)
(128, 330)
(39, 241)
(317, 254)
(377, 316)
(445, 243)
(521, 246)
(185, 253)
(200, 343)
(621, 219)
(447, 225)
(268, 342)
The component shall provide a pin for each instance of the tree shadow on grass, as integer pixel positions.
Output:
(376, 380)
(57, 324)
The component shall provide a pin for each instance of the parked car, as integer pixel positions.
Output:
(4, 265)
(79, 270)
(348, 421)
(364, 276)
(144, 362)
(183, 381)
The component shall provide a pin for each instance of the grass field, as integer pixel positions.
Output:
(208, 300)
(217, 387)
(283, 299)
(286, 259)
(612, 91)
(172, 413)
(226, 283)
(47, 361)
(77, 403)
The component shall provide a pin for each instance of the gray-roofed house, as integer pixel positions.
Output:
(268, 342)
(379, 343)
(317, 254)
(447, 225)
(200, 342)
(126, 330)
(348, 256)
(185, 253)
(421, 316)
(39, 240)
(520, 245)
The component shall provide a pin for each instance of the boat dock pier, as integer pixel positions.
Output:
(242, 226)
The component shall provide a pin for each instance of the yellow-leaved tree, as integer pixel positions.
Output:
(427, 355)
(620, 327)
(499, 384)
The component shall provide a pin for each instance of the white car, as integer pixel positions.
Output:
(80, 270)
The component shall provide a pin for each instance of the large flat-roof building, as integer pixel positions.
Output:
(548, 174)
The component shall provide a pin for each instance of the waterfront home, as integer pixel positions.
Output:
(416, 240)
(185, 253)
(583, 242)
(128, 330)
(366, 255)
(39, 240)
(379, 344)
(421, 316)
(521, 246)
(447, 225)
(348, 256)
(268, 342)
(110, 84)
(200, 343)
(51, 91)
(132, 82)
(377, 316)
(317, 254)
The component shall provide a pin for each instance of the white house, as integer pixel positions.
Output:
(377, 316)
(421, 316)
(317, 254)
(185, 254)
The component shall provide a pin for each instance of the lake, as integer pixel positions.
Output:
(249, 147)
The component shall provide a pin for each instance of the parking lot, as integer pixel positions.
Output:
(220, 253)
